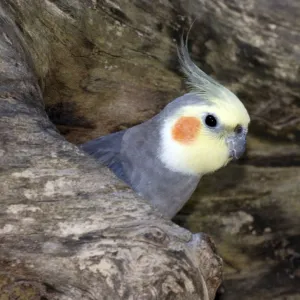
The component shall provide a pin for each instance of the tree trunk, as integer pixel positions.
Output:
(68, 228)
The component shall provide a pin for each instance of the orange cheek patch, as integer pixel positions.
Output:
(185, 129)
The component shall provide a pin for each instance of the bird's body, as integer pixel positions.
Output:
(164, 158)
(132, 155)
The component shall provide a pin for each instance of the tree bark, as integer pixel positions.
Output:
(68, 228)
(94, 58)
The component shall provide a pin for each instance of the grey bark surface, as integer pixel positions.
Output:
(69, 229)
(107, 65)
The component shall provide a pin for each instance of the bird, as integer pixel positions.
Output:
(164, 158)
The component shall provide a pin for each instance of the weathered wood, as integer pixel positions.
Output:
(69, 229)
(106, 65)
(252, 210)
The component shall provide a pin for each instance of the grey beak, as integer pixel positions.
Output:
(237, 145)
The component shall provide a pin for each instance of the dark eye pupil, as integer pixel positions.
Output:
(211, 121)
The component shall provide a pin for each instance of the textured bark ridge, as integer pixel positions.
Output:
(69, 229)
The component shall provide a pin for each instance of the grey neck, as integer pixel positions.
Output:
(165, 189)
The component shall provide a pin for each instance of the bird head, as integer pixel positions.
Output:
(205, 129)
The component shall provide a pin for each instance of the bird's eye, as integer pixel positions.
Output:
(211, 121)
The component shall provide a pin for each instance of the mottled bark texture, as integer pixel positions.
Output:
(69, 229)
(107, 65)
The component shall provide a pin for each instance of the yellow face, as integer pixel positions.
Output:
(195, 140)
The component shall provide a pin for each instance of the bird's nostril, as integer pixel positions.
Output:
(238, 129)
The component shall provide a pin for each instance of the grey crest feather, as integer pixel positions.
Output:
(199, 82)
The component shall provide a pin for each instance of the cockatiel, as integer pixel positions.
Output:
(164, 158)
